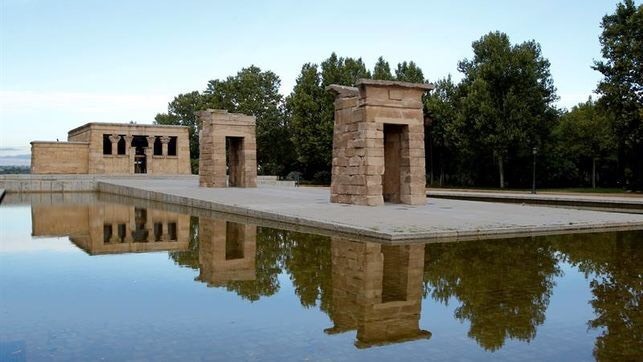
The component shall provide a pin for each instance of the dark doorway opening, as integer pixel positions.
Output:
(235, 161)
(391, 185)
(140, 160)
(233, 241)
(395, 273)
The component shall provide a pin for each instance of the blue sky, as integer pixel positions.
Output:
(65, 63)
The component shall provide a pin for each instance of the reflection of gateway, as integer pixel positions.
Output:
(226, 251)
(112, 228)
(377, 290)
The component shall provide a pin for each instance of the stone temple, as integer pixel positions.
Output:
(115, 148)
(378, 143)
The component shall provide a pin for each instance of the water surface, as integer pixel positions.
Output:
(87, 277)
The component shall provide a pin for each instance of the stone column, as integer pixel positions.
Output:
(130, 152)
(149, 152)
(165, 140)
(128, 144)
(114, 140)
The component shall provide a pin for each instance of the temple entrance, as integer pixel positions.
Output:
(140, 159)
(392, 162)
(235, 161)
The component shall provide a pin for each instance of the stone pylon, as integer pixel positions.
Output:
(378, 143)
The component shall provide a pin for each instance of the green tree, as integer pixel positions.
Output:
(409, 72)
(312, 111)
(622, 85)
(382, 70)
(310, 135)
(585, 135)
(181, 111)
(507, 101)
(256, 92)
(442, 108)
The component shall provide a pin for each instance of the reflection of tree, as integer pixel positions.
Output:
(308, 261)
(268, 267)
(613, 261)
(503, 286)
(268, 262)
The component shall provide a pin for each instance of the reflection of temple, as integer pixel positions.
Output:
(111, 228)
(377, 289)
(226, 251)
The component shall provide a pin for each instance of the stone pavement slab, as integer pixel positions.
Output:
(438, 219)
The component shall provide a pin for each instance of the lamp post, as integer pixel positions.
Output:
(534, 152)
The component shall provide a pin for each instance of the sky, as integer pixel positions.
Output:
(66, 63)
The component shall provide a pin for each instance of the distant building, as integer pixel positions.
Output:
(115, 148)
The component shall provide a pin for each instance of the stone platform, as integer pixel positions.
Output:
(439, 219)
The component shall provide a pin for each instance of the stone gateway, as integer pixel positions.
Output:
(378, 143)
(227, 149)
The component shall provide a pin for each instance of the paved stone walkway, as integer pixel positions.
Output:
(439, 218)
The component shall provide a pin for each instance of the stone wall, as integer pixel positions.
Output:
(123, 163)
(59, 157)
(218, 128)
(378, 143)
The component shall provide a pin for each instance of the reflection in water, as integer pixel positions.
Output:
(377, 289)
(502, 287)
(226, 251)
(108, 228)
(613, 262)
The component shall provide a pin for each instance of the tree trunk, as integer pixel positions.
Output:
(594, 172)
(501, 171)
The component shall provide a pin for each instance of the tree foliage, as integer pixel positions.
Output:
(622, 85)
(251, 91)
(584, 137)
(255, 92)
(382, 70)
(507, 98)
(181, 112)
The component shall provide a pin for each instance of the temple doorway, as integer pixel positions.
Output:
(392, 162)
(235, 161)
(140, 159)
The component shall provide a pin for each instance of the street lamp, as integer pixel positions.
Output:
(534, 152)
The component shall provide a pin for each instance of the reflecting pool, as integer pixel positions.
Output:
(88, 277)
